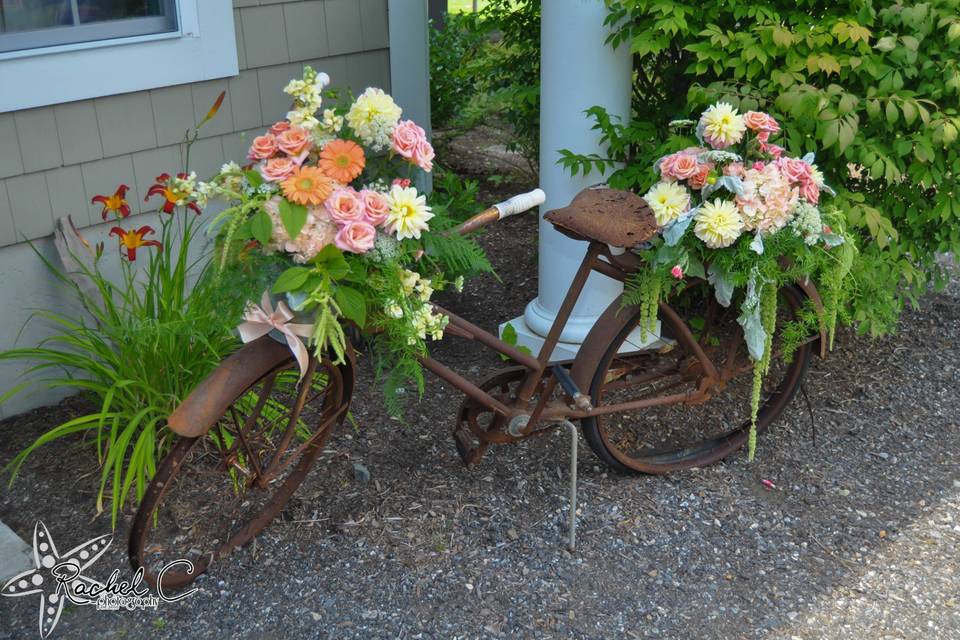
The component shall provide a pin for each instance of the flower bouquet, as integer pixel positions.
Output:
(739, 212)
(327, 201)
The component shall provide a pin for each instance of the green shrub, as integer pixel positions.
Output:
(511, 72)
(487, 65)
(452, 82)
(871, 88)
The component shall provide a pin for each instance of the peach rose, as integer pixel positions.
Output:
(295, 141)
(262, 148)
(423, 156)
(699, 179)
(356, 237)
(406, 138)
(375, 206)
(685, 166)
(280, 127)
(344, 205)
(759, 121)
(277, 169)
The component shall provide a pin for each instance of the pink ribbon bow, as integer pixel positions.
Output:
(263, 319)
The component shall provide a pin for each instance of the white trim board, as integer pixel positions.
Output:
(205, 48)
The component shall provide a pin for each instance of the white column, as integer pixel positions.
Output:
(410, 65)
(577, 70)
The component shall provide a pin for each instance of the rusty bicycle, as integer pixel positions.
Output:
(249, 434)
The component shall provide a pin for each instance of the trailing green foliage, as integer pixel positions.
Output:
(872, 87)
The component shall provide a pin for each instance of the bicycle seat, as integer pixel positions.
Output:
(613, 217)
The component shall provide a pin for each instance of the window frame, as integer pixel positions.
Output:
(203, 48)
(102, 32)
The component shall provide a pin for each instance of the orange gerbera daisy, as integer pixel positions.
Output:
(342, 160)
(307, 186)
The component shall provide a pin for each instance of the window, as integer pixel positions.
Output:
(35, 24)
(199, 44)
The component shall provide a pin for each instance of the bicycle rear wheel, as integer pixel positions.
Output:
(677, 436)
(214, 493)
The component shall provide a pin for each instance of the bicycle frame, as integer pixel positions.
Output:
(538, 374)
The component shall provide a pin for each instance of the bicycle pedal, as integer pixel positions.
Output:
(471, 451)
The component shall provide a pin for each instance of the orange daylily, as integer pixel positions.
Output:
(133, 239)
(172, 197)
(117, 203)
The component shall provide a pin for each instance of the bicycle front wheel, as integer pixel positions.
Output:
(213, 493)
(671, 437)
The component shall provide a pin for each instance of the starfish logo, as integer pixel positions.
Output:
(57, 577)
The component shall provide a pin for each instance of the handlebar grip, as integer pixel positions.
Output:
(520, 203)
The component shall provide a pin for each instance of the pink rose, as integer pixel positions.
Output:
(763, 137)
(280, 127)
(262, 148)
(402, 182)
(294, 141)
(277, 169)
(375, 206)
(677, 272)
(406, 137)
(734, 169)
(794, 170)
(772, 149)
(423, 156)
(356, 237)
(810, 191)
(667, 167)
(699, 179)
(758, 166)
(344, 205)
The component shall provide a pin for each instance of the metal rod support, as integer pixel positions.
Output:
(574, 439)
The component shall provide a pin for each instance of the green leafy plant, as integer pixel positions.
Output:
(452, 81)
(487, 65)
(871, 87)
(148, 340)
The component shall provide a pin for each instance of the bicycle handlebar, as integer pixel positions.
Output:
(513, 206)
(520, 203)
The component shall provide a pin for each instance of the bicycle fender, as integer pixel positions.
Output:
(207, 403)
(604, 330)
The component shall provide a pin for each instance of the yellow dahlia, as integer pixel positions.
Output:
(668, 200)
(373, 117)
(308, 186)
(408, 213)
(722, 125)
(718, 223)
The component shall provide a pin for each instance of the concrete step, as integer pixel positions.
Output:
(16, 555)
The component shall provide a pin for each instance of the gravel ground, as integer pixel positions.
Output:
(856, 539)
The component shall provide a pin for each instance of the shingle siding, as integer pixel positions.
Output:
(54, 159)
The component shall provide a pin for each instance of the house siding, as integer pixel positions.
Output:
(53, 160)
